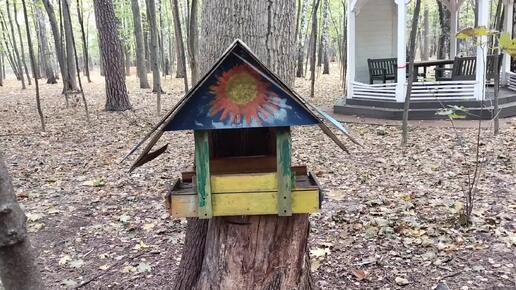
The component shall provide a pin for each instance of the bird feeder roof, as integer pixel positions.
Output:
(238, 92)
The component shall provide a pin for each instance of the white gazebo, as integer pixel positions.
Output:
(378, 29)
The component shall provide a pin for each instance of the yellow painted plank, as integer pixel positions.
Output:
(244, 182)
(248, 203)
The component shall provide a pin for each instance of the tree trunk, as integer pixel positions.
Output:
(154, 48)
(313, 38)
(443, 48)
(147, 50)
(253, 252)
(117, 98)
(57, 42)
(324, 37)
(46, 54)
(70, 58)
(84, 42)
(140, 54)
(1, 68)
(22, 47)
(15, 47)
(301, 39)
(161, 38)
(18, 268)
(7, 42)
(425, 53)
(412, 52)
(193, 40)
(180, 51)
(155, 61)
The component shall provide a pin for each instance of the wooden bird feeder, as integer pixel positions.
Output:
(241, 114)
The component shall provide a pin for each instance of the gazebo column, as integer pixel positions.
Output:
(454, 16)
(402, 52)
(350, 54)
(507, 27)
(483, 20)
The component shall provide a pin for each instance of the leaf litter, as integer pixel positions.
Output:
(389, 218)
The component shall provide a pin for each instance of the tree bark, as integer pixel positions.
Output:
(18, 268)
(180, 49)
(117, 98)
(140, 54)
(313, 38)
(154, 48)
(324, 37)
(57, 42)
(443, 48)
(22, 47)
(412, 52)
(193, 40)
(46, 55)
(15, 47)
(70, 58)
(254, 252)
(1, 69)
(80, 16)
(425, 54)
(301, 39)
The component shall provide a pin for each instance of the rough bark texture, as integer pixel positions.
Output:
(425, 52)
(313, 47)
(84, 42)
(46, 54)
(324, 37)
(57, 41)
(255, 252)
(180, 49)
(443, 47)
(117, 98)
(140, 47)
(154, 49)
(193, 40)
(70, 57)
(18, 269)
(301, 39)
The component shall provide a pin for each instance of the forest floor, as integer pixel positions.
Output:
(390, 220)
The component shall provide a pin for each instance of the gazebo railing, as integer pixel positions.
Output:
(511, 81)
(442, 90)
(375, 91)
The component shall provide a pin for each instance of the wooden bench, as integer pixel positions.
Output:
(382, 69)
(464, 68)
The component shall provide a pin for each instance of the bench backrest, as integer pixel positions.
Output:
(464, 68)
(491, 70)
(381, 66)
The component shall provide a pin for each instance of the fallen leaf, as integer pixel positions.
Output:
(98, 182)
(64, 259)
(144, 267)
(76, 263)
(360, 274)
(401, 281)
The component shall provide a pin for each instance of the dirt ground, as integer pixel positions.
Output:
(389, 220)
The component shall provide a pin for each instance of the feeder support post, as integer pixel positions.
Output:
(202, 173)
(284, 171)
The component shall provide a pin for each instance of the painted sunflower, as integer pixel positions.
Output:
(240, 94)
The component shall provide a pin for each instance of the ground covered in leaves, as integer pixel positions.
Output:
(390, 220)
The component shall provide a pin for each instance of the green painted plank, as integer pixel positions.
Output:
(283, 152)
(202, 173)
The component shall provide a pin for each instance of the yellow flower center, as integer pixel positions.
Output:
(241, 88)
